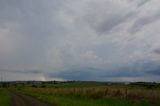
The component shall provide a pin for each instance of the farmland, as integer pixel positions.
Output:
(90, 93)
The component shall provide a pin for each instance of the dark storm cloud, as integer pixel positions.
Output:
(137, 70)
(73, 75)
(93, 74)
(150, 67)
(155, 72)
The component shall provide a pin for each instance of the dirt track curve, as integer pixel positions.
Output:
(23, 100)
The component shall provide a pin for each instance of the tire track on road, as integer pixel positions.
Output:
(23, 100)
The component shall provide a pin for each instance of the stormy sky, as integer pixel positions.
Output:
(93, 40)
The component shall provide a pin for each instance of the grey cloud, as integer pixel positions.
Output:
(53, 36)
(115, 20)
(124, 72)
(103, 20)
(142, 2)
(22, 71)
(157, 51)
(143, 21)
(33, 26)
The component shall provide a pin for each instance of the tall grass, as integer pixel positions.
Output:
(100, 92)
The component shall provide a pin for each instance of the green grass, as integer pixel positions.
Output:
(5, 98)
(94, 94)
(61, 98)
(82, 101)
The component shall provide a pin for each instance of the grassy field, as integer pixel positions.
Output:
(95, 94)
(81, 101)
(5, 98)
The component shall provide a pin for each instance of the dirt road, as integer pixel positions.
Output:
(23, 100)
